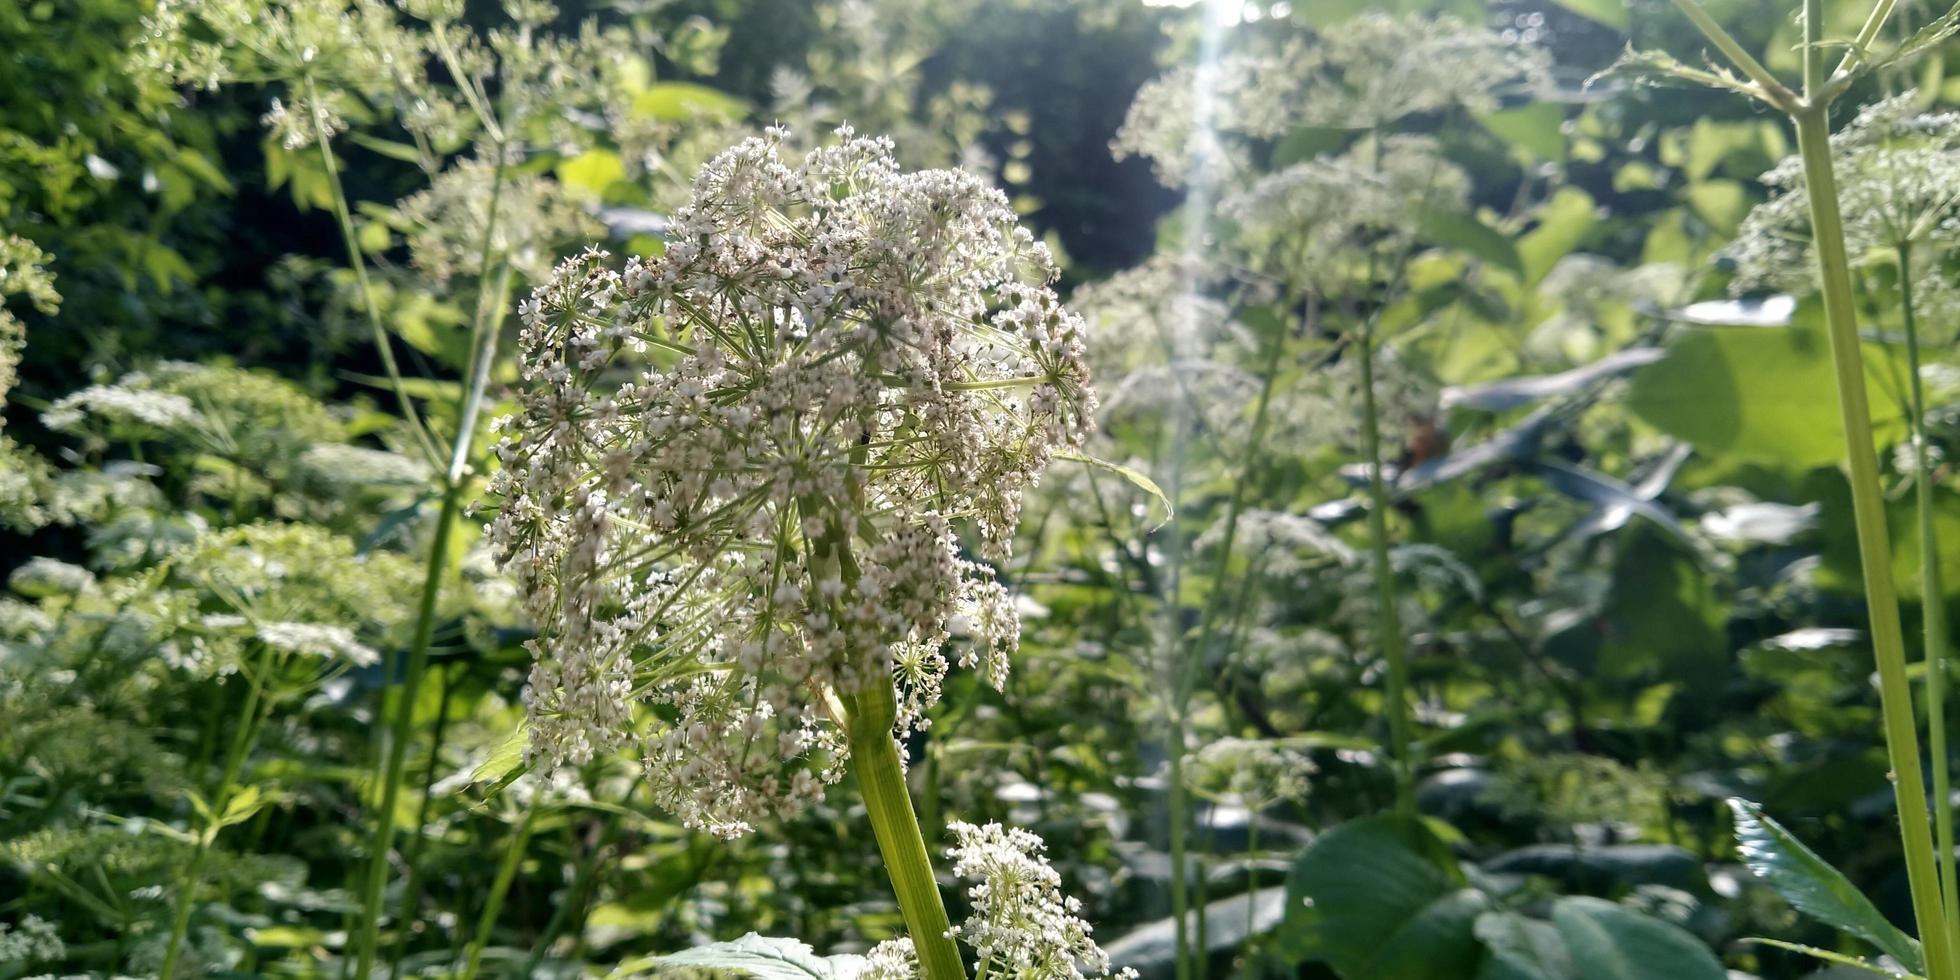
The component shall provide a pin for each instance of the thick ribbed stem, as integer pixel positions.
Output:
(881, 782)
(1874, 545)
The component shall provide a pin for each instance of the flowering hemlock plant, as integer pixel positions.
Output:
(729, 493)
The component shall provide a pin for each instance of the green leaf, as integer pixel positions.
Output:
(1722, 203)
(1307, 142)
(1812, 886)
(1473, 237)
(1522, 949)
(1611, 942)
(1612, 13)
(766, 958)
(1563, 224)
(1537, 128)
(676, 101)
(1753, 394)
(506, 758)
(391, 149)
(1136, 477)
(1362, 899)
(593, 171)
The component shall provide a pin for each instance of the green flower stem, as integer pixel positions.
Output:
(484, 333)
(1388, 618)
(412, 886)
(383, 839)
(241, 745)
(1874, 548)
(356, 258)
(1932, 598)
(881, 781)
(506, 871)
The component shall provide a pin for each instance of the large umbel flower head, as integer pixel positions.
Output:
(729, 490)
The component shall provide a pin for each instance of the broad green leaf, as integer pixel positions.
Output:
(1536, 128)
(1362, 899)
(1131, 474)
(675, 101)
(1721, 202)
(593, 171)
(1563, 224)
(1462, 231)
(1751, 394)
(1812, 886)
(1522, 949)
(1612, 942)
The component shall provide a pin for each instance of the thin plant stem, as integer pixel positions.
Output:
(1251, 892)
(506, 871)
(241, 746)
(1874, 545)
(412, 888)
(576, 893)
(357, 259)
(398, 736)
(1388, 619)
(1932, 598)
(438, 568)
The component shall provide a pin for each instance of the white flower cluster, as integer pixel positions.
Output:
(447, 220)
(323, 640)
(1896, 170)
(1252, 772)
(1364, 73)
(1020, 924)
(33, 940)
(727, 493)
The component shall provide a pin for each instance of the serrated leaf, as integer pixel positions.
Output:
(1812, 886)
(1141, 482)
(762, 957)
(1661, 68)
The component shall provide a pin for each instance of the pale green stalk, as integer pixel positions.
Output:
(484, 334)
(1932, 598)
(868, 718)
(1388, 617)
(881, 782)
(1874, 544)
(241, 746)
(1811, 116)
(358, 260)
(506, 871)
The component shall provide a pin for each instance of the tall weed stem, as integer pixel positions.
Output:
(1868, 508)
(1932, 598)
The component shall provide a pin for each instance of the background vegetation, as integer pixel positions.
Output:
(1625, 585)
